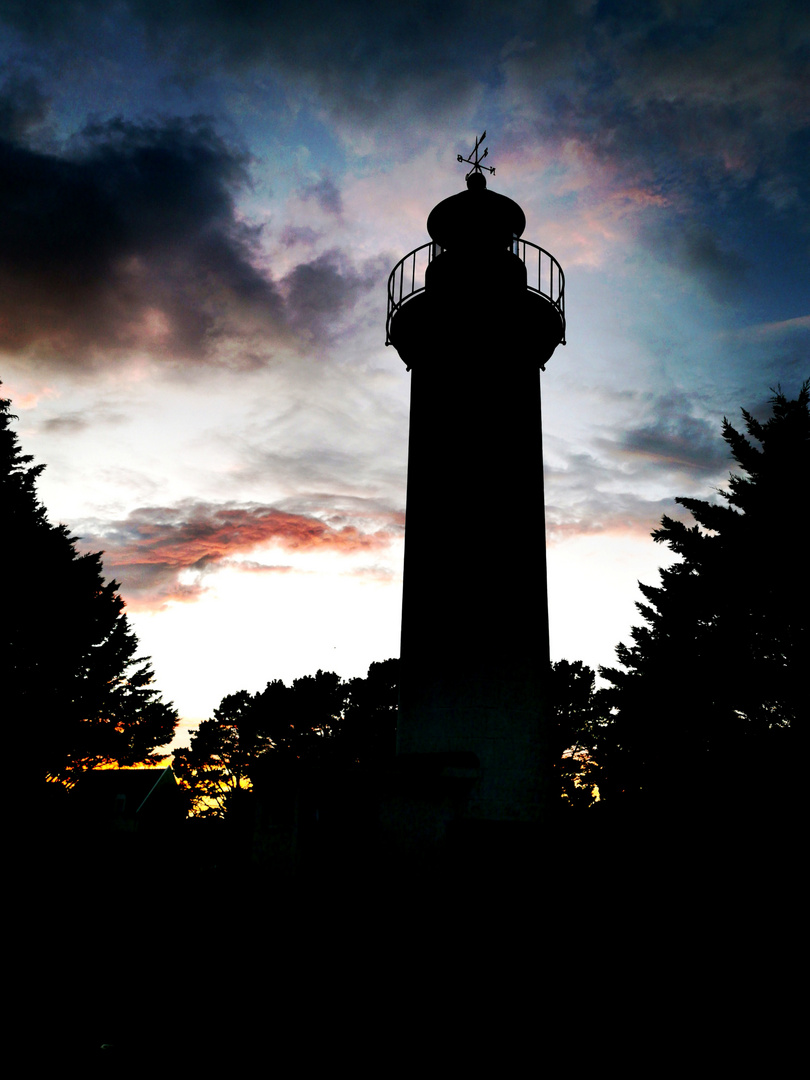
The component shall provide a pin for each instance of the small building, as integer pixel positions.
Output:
(129, 800)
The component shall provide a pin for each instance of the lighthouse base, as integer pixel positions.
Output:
(425, 819)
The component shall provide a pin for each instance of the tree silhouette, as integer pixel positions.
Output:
(223, 751)
(77, 691)
(316, 704)
(580, 716)
(273, 715)
(713, 684)
(369, 727)
(319, 722)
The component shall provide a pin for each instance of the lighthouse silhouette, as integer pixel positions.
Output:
(475, 313)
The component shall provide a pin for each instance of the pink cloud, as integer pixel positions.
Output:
(151, 550)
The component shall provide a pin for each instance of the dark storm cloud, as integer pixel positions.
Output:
(126, 240)
(131, 240)
(154, 546)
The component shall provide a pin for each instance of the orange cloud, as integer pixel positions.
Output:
(152, 550)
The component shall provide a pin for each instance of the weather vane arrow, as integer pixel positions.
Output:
(475, 160)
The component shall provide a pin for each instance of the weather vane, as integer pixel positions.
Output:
(475, 160)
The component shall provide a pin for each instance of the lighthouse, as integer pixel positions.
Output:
(475, 314)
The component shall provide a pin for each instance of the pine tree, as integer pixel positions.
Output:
(713, 684)
(75, 692)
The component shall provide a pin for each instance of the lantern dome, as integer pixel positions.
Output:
(476, 218)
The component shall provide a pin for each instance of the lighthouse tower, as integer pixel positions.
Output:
(475, 314)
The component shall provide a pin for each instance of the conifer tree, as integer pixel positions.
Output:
(76, 694)
(714, 684)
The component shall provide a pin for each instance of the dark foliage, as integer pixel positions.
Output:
(369, 726)
(580, 717)
(74, 687)
(318, 723)
(222, 752)
(713, 684)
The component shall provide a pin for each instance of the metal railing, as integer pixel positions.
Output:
(544, 275)
(407, 279)
(543, 268)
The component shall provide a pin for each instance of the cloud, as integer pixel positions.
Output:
(723, 271)
(69, 423)
(660, 96)
(587, 495)
(74, 421)
(686, 444)
(617, 485)
(771, 330)
(130, 242)
(621, 513)
(659, 112)
(621, 78)
(23, 106)
(687, 101)
(696, 250)
(673, 435)
(325, 192)
(319, 292)
(671, 440)
(298, 234)
(354, 59)
(164, 553)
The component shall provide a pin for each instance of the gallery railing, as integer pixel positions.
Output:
(544, 275)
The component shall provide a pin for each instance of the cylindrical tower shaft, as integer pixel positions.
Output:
(475, 615)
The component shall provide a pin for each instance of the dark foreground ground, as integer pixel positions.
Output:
(507, 951)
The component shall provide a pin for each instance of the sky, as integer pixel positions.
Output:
(201, 203)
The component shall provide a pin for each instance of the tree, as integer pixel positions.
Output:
(369, 727)
(76, 691)
(223, 751)
(579, 717)
(295, 722)
(713, 684)
(315, 710)
(319, 725)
